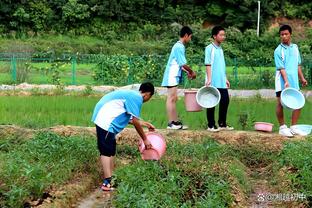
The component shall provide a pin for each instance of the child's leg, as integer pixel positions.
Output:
(107, 146)
(280, 112)
(107, 166)
(295, 116)
(210, 117)
(172, 98)
(223, 107)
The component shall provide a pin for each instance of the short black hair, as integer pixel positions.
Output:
(185, 30)
(215, 30)
(285, 27)
(147, 87)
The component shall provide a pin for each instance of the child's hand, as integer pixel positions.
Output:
(228, 84)
(150, 126)
(191, 75)
(208, 83)
(286, 85)
(304, 82)
(147, 144)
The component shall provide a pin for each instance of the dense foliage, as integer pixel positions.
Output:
(96, 17)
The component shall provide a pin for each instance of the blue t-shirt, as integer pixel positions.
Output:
(114, 110)
(173, 72)
(288, 58)
(214, 57)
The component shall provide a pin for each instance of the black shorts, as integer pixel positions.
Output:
(171, 86)
(278, 94)
(106, 142)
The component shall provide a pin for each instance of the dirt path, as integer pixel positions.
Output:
(26, 89)
(97, 199)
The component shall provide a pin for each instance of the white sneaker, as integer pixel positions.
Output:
(283, 130)
(213, 129)
(297, 131)
(177, 126)
(227, 128)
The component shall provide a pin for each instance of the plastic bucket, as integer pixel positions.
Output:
(292, 98)
(264, 126)
(191, 104)
(208, 97)
(158, 147)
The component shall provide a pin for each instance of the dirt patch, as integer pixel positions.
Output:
(8, 131)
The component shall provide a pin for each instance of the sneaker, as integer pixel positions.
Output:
(226, 128)
(297, 131)
(176, 126)
(283, 130)
(213, 129)
(106, 187)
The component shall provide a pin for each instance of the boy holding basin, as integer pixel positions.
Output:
(173, 77)
(111, 115)
(288, 70)
(216, 77)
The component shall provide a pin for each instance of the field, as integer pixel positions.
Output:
(45, 163)
(44, 111)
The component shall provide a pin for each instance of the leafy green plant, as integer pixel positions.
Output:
(34, 166)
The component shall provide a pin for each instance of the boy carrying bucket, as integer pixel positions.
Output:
(216, 77)
(173, 77)
(288, 70)
(111, 115)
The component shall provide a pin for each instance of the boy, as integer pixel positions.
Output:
(287, 61)
(216, 77)
(173, 76)
(111, 115)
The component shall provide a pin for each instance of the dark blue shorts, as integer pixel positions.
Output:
(106, 142)
(278, 94)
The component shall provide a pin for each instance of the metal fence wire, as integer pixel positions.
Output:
(118, 70)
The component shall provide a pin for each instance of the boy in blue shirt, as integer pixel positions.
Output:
(216, 77)
(111, 115)
(173, 77)
(288, 70)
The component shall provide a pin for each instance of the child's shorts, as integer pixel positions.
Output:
(106, 142)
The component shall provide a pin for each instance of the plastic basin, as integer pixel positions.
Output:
(208, 97)
(158, 147)
(292, 98)
(264, 126)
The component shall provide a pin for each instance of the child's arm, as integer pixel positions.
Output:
(139, 129)
(208, 71)
(190, 73)
(284, 76)
(301, 77)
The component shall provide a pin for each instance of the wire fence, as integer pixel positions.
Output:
(118, 70)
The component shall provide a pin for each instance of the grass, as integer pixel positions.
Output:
(194, 174)
(298, 156)
(46, 111)
(32, 167)
(173, 182)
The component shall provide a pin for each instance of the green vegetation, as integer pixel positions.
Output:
(105, 19)
(183, 178)
(30, 168)
(45, 111)
(200, 173)
(297, 156)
